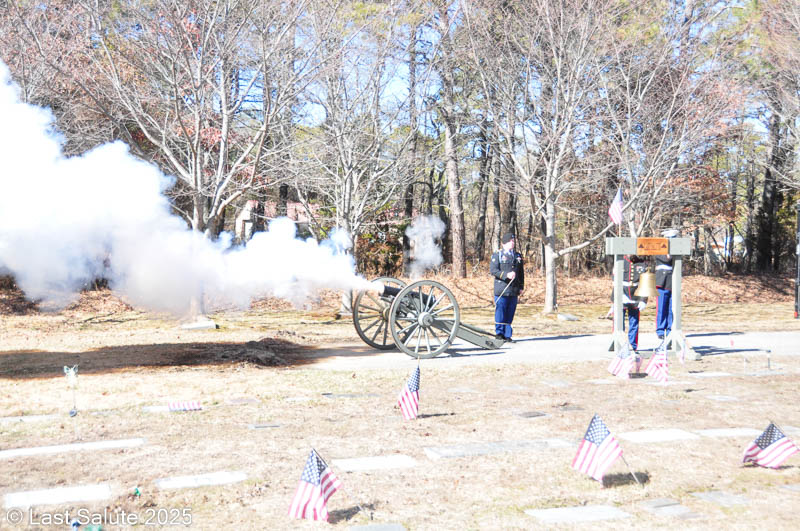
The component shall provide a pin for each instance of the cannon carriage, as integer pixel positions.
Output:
(422, 319)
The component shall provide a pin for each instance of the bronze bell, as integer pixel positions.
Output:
(647, 285)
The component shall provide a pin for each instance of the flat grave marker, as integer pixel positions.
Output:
(200, 480)
(348, 395)
(462, 390)
(377, 527)
(668, 507)
(76, 447)
(729, 432)
(651, 436)
(531, 414)
(58, 495)
(709, 374)
(514, 388)
(488, 448)
(380, 462)
(722, 398)
(573, 515)
(722, 498)
(27, 418)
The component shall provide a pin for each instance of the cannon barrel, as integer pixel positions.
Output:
(389, 291)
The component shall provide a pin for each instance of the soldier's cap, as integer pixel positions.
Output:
(507, 237)
(669, 233)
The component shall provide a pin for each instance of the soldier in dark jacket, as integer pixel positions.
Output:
(632, 268)
(664, 264)
(509, 282)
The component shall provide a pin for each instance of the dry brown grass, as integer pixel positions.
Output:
(129, 359)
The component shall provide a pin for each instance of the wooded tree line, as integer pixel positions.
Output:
(494, 115)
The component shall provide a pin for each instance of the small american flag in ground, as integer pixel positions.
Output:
(622, 363)
(317, 484)
(770, 449)
(615, 210)
(598, 450)
(409, 397)
(186, 405)
(657, 368)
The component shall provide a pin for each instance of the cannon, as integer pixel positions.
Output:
(422, 319)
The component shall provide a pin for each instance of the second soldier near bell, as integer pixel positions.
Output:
(509, 282)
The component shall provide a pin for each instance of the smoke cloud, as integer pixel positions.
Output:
(65, 221)
(426, 253)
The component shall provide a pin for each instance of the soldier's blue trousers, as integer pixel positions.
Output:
(664, 313)
(504, 310)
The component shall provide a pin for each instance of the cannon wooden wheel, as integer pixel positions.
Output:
(371, 315)
(424, 319)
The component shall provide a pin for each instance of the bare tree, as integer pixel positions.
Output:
(353, 159)
(537, 61)
(191, 86)
(587, 96)
(446, 63)
(40, 42)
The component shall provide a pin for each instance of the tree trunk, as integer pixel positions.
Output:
(441, 202)
(771, 199)
(483, 196)
(457, 231)
(408, 196)
(551, 281)
(496, 234)
(428, 193)
(749, 233)
(447, 74)
(283, 199)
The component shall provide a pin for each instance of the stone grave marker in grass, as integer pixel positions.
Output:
(722, 498)
(722, 398)
(709, 374)
(668, 507)
(651, 436)
(730, 432)
(58, 495)
(27, 418)
(466, 390)
(76, 447)
(200, 480)
(573, 515)
(531, 414)
(377, 527)
(488, 448)
(381, 462)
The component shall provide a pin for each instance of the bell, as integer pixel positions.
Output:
(647, 285)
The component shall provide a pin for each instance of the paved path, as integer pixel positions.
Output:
(558, 349)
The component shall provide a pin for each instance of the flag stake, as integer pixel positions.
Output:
(631, 471)
(353, 500)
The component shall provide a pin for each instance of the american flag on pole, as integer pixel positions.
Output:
(770, 449)
(658, 368)
(598, 450)
(317, 484)
(622, 363)
(409, 397)
(615, 210)
(185, 405)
